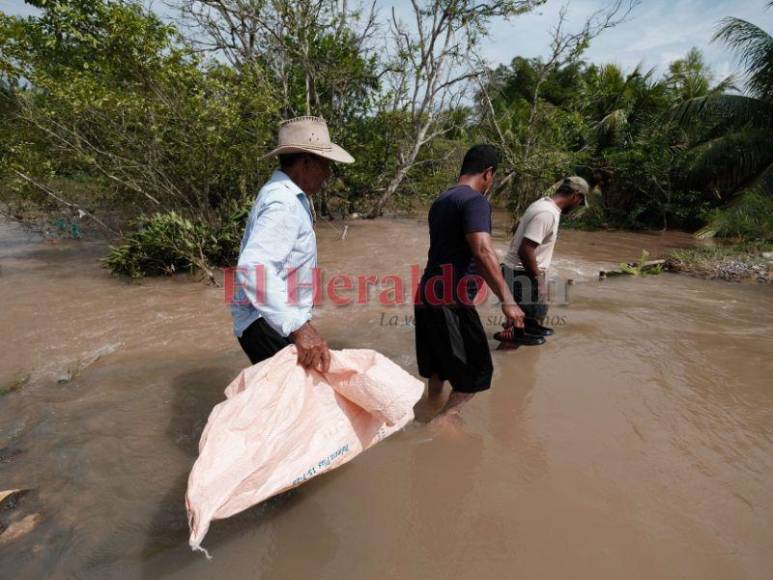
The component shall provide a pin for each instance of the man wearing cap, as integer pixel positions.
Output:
(531, 251)
(274, 277)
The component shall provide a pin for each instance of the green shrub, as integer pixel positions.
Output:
(165, 243)
(750, 217)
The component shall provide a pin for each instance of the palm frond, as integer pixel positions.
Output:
(735, 161)
(763, 185)
(733, 110)
(725, 85)
(754, 48)
(612, 126)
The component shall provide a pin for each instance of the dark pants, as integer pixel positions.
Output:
(525, 289)
(451, 343)
(260, 341)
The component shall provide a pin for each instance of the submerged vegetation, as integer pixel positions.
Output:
(641, 268)
(165, 243)
(117, 120)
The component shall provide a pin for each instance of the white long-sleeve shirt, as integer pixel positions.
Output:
(279, 236)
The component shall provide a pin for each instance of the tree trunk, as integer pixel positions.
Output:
(394, 183)
(402, 171)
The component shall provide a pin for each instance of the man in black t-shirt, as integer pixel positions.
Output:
(451, 344)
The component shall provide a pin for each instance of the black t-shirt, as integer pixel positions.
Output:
(459, 211)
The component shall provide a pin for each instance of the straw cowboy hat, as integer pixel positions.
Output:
(308, 135)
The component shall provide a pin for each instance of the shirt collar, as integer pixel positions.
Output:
(281, 177)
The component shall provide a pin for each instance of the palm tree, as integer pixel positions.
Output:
(735, 155)
(690, 78)
(619, 105)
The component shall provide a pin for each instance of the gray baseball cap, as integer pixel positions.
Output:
(578, 185)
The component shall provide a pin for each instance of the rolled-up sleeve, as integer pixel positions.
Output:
(274, 231)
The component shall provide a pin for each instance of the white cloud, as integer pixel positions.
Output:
(656, 33)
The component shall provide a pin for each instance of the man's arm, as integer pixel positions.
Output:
(527, 252)
(538, 228)
(488, 264)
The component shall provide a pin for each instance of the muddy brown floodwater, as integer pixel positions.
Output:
(637, 443)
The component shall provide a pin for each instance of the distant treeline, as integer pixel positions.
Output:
(112, 114)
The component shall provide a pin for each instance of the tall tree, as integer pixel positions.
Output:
(690, 78)
(566, 49)
(113, 94)
(431, 71)
(735, 155)
(316, 55)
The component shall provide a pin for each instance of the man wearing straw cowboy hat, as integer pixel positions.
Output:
(274, 278)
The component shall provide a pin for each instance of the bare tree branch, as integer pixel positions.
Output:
(63, 201)
(565, 48)
(435, 49)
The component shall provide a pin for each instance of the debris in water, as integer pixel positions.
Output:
(9, 453)
(19, 529)
(15, 385)
(86, 362)
(641, 268)
(98, 354)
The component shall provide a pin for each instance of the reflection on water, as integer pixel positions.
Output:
(637, 443)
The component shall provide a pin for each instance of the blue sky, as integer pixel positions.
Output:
(658, 32)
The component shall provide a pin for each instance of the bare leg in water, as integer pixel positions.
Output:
(435, 387)
(453, 406)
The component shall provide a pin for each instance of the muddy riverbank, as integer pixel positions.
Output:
(637, 443)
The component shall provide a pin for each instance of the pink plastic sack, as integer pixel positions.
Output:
(281, 425)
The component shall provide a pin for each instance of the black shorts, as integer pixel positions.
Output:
(451, 343)
(259, 341)
(525, 289)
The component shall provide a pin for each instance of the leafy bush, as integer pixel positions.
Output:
(163, 243)
(750, 217)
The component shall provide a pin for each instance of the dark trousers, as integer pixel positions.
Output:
(452, 344)
(259, 341)
(525, 289)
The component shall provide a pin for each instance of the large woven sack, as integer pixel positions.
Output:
(281, 425)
